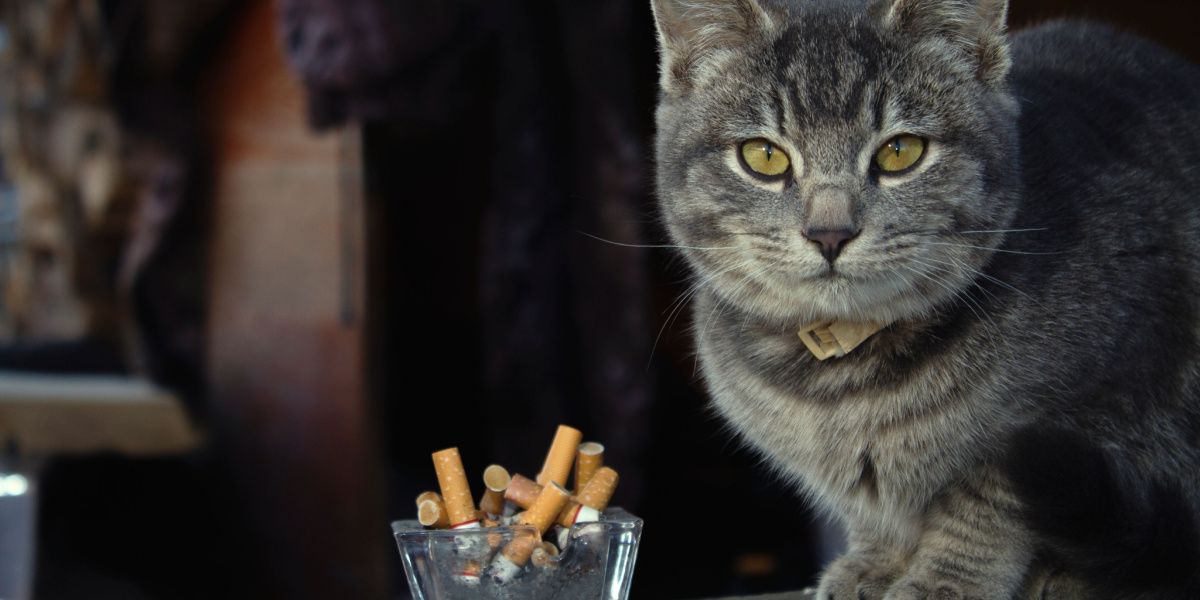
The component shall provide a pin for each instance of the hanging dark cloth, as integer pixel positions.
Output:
(565, 327)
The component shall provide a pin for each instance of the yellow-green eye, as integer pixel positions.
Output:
(765, 158)
(900, 154)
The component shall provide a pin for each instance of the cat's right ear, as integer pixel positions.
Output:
(694, 35)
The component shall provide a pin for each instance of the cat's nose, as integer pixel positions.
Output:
(831, 241)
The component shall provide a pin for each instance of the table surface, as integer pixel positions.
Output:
(809, 594)
(73, 414)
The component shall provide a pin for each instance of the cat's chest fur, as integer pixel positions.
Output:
(872, 454)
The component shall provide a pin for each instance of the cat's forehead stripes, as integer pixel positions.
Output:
(824, 75)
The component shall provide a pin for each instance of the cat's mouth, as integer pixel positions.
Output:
(851, 292)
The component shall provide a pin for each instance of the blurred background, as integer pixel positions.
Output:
(335, 236)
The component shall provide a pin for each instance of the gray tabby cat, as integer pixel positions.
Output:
(1016, 216)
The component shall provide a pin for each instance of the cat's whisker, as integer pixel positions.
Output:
(984, 231)
(996, 281)
(683, 299)
(967, 269)
(928, 232)
(970, 302)
(671, 246)
(1001, 250)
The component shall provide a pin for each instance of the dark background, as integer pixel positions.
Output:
(497, 135)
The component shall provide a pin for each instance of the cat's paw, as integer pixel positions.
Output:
(916, 589)
(1056, 585)
(855, 577)
(934, 587)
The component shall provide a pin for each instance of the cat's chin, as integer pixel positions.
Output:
(835, 298)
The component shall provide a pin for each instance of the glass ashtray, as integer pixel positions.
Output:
(595, 561)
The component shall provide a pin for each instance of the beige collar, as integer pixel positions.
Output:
(835, 339)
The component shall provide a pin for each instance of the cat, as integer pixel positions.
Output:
(1012, 222)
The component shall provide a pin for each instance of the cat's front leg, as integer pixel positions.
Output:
(864, 572)
(974, 546)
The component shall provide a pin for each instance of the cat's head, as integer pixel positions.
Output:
(835, 158)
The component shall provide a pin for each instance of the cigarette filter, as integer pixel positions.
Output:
(456, 492)
(600, 489)
(522, 491)
(589, 458)
(432, 513)
(575, 512)
(560, 457)
(430, 495)
(495, 482)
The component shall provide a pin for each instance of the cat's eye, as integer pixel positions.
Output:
(764, 158)
(900, 154)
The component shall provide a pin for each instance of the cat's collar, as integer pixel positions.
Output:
(835, 339)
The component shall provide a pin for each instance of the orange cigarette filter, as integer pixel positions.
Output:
(495, 482)
(599, 490)
(456, 492)
(430, 495)
(432, 513)
(561, 456)
(522, 491)
(589, 458)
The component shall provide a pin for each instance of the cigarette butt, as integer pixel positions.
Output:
(430, 495)
(522, 491)
(456, 492)
(489, 523)
(508, 562)
(432, 513)
(518, 551)
(560, 457)
(470, 573)
(546, 508)
(600, 489)
(539, 516)
(542, 557)
(575, 512)
(495, 482)
(589, 458)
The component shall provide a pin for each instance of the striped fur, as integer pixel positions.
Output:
(1040, 266)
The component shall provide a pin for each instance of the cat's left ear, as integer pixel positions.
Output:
(978, 27)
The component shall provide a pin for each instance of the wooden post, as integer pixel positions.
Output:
(285, 333)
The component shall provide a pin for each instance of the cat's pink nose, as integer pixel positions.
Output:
(831, 241)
